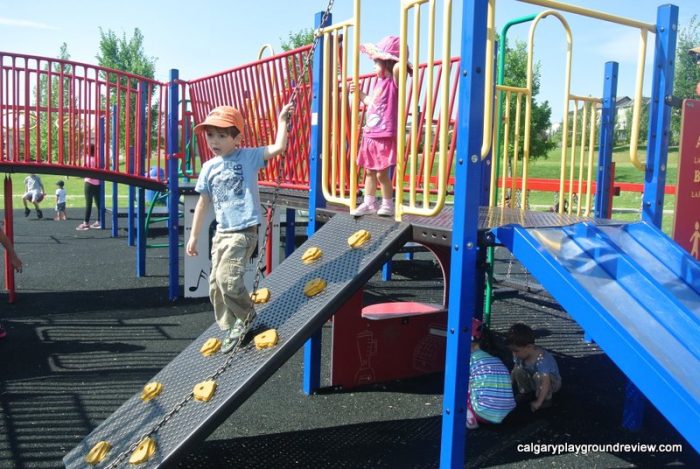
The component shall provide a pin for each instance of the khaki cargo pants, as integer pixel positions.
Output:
(230, 254)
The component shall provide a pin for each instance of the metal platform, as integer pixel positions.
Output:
(295, 317)
(438, 229)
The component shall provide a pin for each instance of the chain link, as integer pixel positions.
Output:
(258, 268)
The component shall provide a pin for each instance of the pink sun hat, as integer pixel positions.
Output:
(386, 49)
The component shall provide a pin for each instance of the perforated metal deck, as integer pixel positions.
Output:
(289, 311)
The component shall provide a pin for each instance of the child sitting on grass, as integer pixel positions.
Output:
(535, 372)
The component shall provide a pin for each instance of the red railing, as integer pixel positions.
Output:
(52, 110)
(259, 90)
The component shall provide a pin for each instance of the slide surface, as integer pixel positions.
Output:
(637, 294)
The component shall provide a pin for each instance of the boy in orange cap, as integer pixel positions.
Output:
(229, 183)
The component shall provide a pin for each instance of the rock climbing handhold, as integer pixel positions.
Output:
(314, 287)
(266, 339)
(151, 391)
(144, 451)
(359, 238)
(204, 391)
(311, 255)
(261, 295)
(210, 347)
(98, 452)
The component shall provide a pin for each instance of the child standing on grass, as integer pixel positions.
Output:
(377, 152)
(34, 193)
(535, 372)
(60, 202)
(229, 183)
(490, 396)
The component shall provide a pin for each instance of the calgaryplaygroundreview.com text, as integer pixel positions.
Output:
(586, 448)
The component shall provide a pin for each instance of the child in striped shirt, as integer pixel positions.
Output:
(490, 396)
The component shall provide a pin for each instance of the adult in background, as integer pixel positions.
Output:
(92, 192)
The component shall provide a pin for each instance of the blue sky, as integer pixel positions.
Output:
(204, 37)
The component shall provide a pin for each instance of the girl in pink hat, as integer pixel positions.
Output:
(377, 152)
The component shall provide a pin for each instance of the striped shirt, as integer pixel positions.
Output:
(490, 390)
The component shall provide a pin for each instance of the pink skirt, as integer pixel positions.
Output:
(377, 153)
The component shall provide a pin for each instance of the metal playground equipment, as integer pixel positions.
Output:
(447, 154)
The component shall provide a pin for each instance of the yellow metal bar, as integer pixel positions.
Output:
(593, 14)
(401, 116)
(343, 113)
(584, 129)
(589, 177)
(355, 107)
(514, 89)
(493, 176)
(574, 134)
(488, 79)
(326, 126)
(430, 70)
(413, 160)
(637, 105)
(506, 146)
(263, 48)
(443, 122)
(516, 149)
(567, 91)
(339, 139)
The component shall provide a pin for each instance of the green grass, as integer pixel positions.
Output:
(625, 171)
(72, 184)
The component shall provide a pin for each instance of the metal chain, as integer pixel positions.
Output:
(120, 457)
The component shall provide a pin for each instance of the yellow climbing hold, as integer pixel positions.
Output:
(151, 391)
(314, 287)
(144, 451)
(210, 347)
(261, 295)
(266, 339)
(98, 452)
(359, 238)
(204, 391)
(311, 255)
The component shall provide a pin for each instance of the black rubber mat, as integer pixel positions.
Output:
(295, 317)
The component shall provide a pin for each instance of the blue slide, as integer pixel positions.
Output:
(637, 294)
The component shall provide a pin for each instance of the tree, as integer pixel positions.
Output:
(298, 39)
(687, 73)
(515, 73)
(128, 55)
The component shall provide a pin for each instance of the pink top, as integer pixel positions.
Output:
(90, 163)
(380, 120)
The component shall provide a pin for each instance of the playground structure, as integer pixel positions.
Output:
(47, 132)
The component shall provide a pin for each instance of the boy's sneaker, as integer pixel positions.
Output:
(364, 209)
(386, 210)
(96, 225)
(3, 333)
(237, 332)
(39, 214)
(27, 212)
(83, 227)
(472, 424)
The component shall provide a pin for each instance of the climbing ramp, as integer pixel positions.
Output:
(174, 419)
(637, 294)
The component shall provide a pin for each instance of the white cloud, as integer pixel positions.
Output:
(25, 24)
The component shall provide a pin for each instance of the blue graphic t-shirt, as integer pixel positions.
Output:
(231, 182)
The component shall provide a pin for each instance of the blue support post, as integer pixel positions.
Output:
(130, 238)
(115, 168)
(660, 114)
(657, 157)
(290, 232)
(173, 189)
(463, 295)
(311, 380)
(101, 162)
(141, 216)
(603, 195)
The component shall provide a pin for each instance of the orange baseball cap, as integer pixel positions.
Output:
(223, 116)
